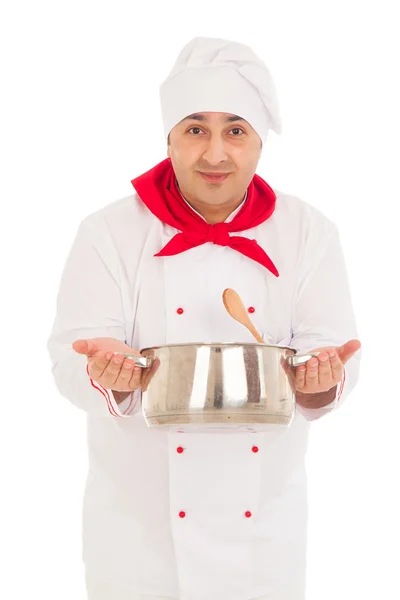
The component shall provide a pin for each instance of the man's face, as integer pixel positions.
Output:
(212, 143)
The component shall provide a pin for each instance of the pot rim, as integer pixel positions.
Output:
(219, 344)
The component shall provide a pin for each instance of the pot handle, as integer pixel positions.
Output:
(138, 359)
(300, 359)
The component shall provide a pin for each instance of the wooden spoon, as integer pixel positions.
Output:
(236, 309)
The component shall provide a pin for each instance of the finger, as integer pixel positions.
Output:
(83, 346)
(325, 377)
(122, 383)
(135, 381)
(311, 382)
(300, 378)
(97, 365)
(336, 366)
(111, 373)
(348, 350)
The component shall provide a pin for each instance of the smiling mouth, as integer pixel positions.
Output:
(214, 177)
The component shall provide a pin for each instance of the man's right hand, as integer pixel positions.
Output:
(111, 371)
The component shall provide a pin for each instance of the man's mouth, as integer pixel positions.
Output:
(214, 177)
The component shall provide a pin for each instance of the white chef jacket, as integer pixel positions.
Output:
(204, 514)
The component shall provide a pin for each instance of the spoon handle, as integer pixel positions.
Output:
(255, 333)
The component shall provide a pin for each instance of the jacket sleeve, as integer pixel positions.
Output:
(89, 305)
(323, 314)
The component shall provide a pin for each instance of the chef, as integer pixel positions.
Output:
(205, 514)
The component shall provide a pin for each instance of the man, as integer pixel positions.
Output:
(204, 515)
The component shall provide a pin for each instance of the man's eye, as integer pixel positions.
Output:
(195, 130)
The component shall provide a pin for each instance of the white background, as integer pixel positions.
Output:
(80, 119)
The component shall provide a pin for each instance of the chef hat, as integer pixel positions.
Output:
(214, 75)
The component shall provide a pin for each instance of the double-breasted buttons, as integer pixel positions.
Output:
(181, 449)
(251, 309)
(180, 311)
(247, 514)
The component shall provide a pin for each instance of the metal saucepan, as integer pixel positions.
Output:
(221, 383)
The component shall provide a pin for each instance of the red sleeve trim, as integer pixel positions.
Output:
(105, 393)
(342, 384)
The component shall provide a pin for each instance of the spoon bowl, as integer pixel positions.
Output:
(235, 307)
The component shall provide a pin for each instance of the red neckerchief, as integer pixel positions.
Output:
(159, 191)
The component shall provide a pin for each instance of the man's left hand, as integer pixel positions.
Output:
(314, 383)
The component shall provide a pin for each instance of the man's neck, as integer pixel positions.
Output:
(214, 214)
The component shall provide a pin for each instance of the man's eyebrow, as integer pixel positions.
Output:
(199, 117)
(233, 118)
(194, 117)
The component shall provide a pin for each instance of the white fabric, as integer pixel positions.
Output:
(100, 590)
(215, 75)
(137, 484)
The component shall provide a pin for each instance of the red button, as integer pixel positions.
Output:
(251, 309)
(247, 514)
(180, 311)
(182, 514)
(255, 448)
(179, 449)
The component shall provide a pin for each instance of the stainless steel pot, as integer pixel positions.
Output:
(218, 384)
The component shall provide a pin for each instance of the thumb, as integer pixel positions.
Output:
(83, 347)
(346, 351)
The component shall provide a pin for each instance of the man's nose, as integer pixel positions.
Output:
(215, 151)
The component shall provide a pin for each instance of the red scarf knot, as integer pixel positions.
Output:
(218, 234)
(159, 191)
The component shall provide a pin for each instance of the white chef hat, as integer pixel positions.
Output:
(214, 75)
